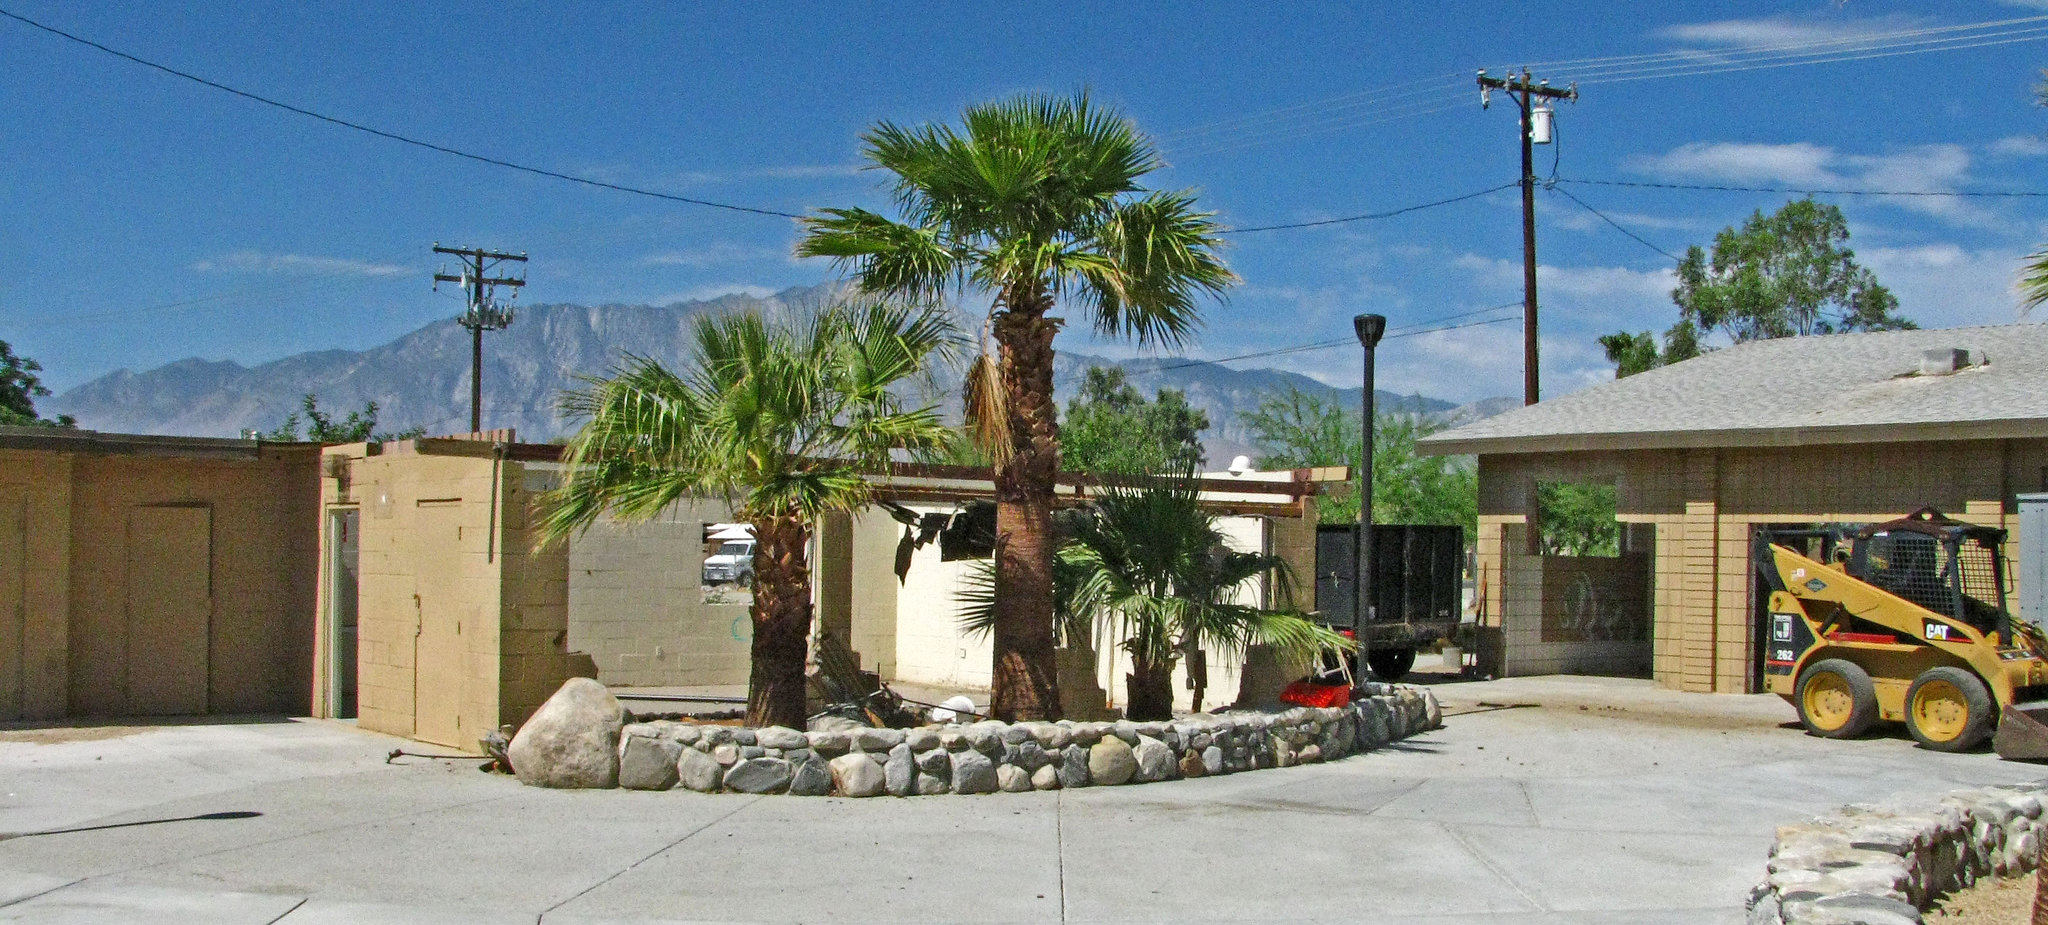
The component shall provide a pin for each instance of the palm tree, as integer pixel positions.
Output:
(2034, 279)
(1035, 201)
(785, 417)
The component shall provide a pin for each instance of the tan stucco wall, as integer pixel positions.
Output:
(462, 626)
(1703, 506)
(72, 616)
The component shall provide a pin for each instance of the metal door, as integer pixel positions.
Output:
(445, 612)
(13, 602)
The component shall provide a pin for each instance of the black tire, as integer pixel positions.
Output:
(1977, 716)
(746, 580)
(1390, 664)
(1843, 675)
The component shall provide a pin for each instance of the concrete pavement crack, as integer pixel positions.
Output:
(579, 894)
(1059, 840)
(1487, 863)
(23, 899)
(295, 907)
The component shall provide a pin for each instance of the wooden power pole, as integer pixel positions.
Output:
(1524, 91)
(484, 312)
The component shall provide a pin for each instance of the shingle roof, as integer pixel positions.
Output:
(1840, 388)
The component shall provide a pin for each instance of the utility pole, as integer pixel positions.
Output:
(1525, 91)
(485, 313)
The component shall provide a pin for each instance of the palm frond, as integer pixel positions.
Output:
(1157, 256)
(988, 408)
(2034, 279)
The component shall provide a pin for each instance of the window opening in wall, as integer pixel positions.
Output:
(1577, 519)
(728, 570)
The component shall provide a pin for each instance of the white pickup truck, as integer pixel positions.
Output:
(734, 562)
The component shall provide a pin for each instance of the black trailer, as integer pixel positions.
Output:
(1417, 589)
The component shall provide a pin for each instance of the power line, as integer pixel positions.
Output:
(393, 136)
(1617, 225)
(1815, 191)
(1369, 216)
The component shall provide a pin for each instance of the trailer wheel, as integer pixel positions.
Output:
(1836, 699)
(1390, 664)
(1948, 709)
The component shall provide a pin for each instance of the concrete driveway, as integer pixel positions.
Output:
(1546, 800)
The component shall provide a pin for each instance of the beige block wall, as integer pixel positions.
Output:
(36, 672)
(70, 622)
(636, 605)
(461, 624)
(1704, 506)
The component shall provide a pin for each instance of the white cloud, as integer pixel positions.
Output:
(1778, 31)
(1607, 283)
(1583, 220)
(1945, 285)
(2021, 145)
(712, 255)
(1934, 168)
(296, 265)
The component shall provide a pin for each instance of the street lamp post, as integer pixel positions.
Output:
(1370, 328)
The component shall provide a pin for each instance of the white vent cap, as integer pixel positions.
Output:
(1941, 361)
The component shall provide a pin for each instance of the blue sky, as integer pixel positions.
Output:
(150, 219)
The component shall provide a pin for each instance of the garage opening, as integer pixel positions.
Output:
(1596, 581)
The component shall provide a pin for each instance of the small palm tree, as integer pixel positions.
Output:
(1035, 201)
(787, 418)
(1151, 572)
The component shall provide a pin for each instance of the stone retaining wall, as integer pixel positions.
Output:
(575, 741)
(1882, 863)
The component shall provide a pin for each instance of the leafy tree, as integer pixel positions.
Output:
(1036, 201)
(1786, 274)
(1294, 428)
(1577, 519)
(1111, 428)
(788, 418)
(359, 426)
(19, 388)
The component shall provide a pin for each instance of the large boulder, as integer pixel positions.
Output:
(698, 771)
(572, 741)
(760, 775)
(1111, 761)
(973, 772)
(857, 775)
(1155, 760)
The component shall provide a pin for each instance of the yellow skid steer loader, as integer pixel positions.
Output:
(1904, 621)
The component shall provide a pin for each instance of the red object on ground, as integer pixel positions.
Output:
(1311, 694)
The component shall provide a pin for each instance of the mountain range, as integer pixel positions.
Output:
(422, 378)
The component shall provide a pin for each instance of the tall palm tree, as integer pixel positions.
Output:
(785, 417)
(1035, 201)
(1154, 572)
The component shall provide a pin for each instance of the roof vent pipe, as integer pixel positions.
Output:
(1941, 361)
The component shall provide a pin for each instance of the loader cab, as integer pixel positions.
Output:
(1947, 566)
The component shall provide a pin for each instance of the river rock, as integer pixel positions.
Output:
(1046, 778)
(758, 775)
(1030, 756)
(985, 737)
(973, 772)
(1012, 779)
(921, 740)
(1212, 760)
(780, 737)
(900, 773)
(1155, 760)
(857, 775)
(831, 723)
(869, 739)
(698, 771)
(648, 762)
(932, 785)
(1073, 767)
(935, 763)
(1111, 762)
(572, 741)
(812, 778)
(1191, 765)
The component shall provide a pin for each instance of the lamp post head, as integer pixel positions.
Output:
(1369, 328)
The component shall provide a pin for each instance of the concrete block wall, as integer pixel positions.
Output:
(635, 603)
(35, 589)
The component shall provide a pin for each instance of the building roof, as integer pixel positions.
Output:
(1793, 391)
(93, 442)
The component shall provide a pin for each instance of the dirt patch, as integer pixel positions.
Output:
(57, 735)
(1993, 901)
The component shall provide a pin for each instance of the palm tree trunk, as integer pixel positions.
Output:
(1024, 675)
(1149, 690)
(782, 621)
